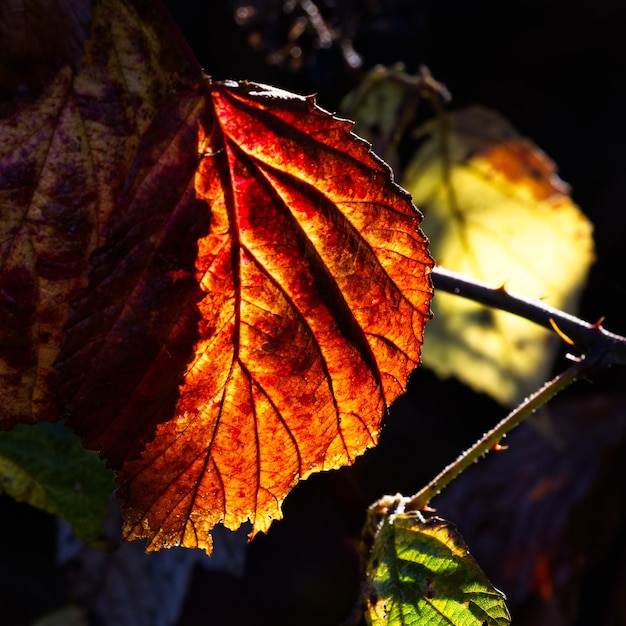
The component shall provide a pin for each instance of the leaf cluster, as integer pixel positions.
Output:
(222, 290)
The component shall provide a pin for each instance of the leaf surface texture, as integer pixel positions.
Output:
(420, 572)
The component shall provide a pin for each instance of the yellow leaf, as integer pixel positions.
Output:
(496, 210)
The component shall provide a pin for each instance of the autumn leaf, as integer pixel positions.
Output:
(79, 87)
(421, 572)
(256, 304)
(497, 211)
(218, 285)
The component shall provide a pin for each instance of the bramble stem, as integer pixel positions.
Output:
(583, 335)
(601, 347)
(491, 439)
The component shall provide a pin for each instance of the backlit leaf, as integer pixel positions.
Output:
(497, 211)
(290, 326)
(217, 284)
(420, 572)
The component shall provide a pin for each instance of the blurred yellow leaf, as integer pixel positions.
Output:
(496, 210)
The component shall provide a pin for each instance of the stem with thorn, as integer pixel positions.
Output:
(600, 347)
(585, 336)
(491, 439)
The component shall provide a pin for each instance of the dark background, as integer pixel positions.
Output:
(557, 71)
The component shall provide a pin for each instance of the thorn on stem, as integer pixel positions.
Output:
(598, 324)
(560, 333)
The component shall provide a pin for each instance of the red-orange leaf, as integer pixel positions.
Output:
(290, 326)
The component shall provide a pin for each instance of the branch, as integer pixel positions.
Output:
(600, 349)
(491, 440)
(609, 348)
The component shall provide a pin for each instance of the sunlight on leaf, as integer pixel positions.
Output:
(497, 212)
(218, 285)
(46, 466)
(293, 322)
(420, 572)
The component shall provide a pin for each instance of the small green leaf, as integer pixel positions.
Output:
(420, 572)
(381, 108)
(45, 466)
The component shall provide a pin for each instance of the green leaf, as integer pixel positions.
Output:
(45, 466)
(420, 572)
(385, 104)
(377, 108)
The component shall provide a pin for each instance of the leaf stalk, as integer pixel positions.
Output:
(491, 439)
